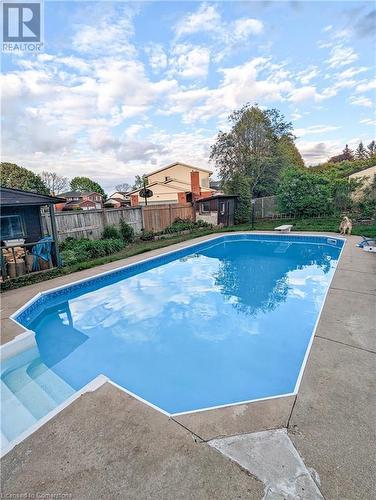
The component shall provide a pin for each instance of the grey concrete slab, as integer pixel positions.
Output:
(9, 330)
(333, 420)
(239, 419)
(349, 317)
(110, 445)
(272, 458)
(354, 281)
(360, 261)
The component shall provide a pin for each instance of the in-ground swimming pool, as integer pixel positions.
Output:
(226, 321)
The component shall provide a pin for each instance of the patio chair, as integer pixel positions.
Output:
(367, 244)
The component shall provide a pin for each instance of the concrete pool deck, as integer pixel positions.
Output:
(108, 444)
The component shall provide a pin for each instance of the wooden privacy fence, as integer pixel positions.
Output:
(158, 217)
(90, 223)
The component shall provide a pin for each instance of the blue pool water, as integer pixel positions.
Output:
(223, 322)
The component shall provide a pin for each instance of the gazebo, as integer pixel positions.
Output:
(28, 232)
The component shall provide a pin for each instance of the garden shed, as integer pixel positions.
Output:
(218, 209)
(25, 246)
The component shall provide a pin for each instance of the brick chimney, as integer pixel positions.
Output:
(195, 185)
(134, 200)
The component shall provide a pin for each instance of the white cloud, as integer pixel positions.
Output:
(368, 121)
(341, 56)
(361, 101)
(366, 86)
(305, 93)
(243, 28)
(308, 74)
(189, 61)
(240, 84)
(157, 57)
(315, 152)
(226, 35)
(315, 129)
(107, 29)
(206, 18)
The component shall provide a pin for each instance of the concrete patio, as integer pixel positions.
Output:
(107, 444)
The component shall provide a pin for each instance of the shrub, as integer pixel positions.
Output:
(304, 194)
(110, 232)
(83, 249)
(147, 236)
(179, 225)
(126, 231)
(68, 257)
(185, 225)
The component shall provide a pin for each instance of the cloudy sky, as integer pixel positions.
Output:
(123, 88)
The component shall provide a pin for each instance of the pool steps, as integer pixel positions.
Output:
(28, 395)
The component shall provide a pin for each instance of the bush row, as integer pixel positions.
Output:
(79, 250)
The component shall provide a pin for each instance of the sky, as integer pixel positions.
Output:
(124, 88)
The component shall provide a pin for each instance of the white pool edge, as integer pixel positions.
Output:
(26, 340)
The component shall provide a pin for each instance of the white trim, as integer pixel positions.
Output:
(90, 387)
(226, 405)
(139, 398)
(27, 340)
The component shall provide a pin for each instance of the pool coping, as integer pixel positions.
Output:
(26, 339)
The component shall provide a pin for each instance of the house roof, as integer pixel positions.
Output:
(178, 163)
(18, 197)
(77, 194)
(148, 186)
(73, 194)
(217, 196)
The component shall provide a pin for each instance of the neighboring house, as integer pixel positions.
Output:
(215, 186)
(113, 202)
(366, 176)
(175, 183)
(80, 200)
(122, 195)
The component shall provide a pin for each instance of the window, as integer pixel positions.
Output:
(11, 227)
(222, 208)
(205, 206)
(205, 182)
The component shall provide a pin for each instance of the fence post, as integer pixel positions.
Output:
(142, 218)
(170, 214)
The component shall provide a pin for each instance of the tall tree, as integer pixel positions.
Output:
(86, 184)
(56, 183)
(361, 152)
(252, 153)
(371, 148)
(348, 153)
(123, 188)
(139, 181)
(14, 176)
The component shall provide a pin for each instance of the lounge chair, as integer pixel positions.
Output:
(367, 244)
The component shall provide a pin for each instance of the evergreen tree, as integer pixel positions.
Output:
(361, 152)
(371, 148)
(348, 153)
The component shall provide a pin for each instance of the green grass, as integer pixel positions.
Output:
(139, 247)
